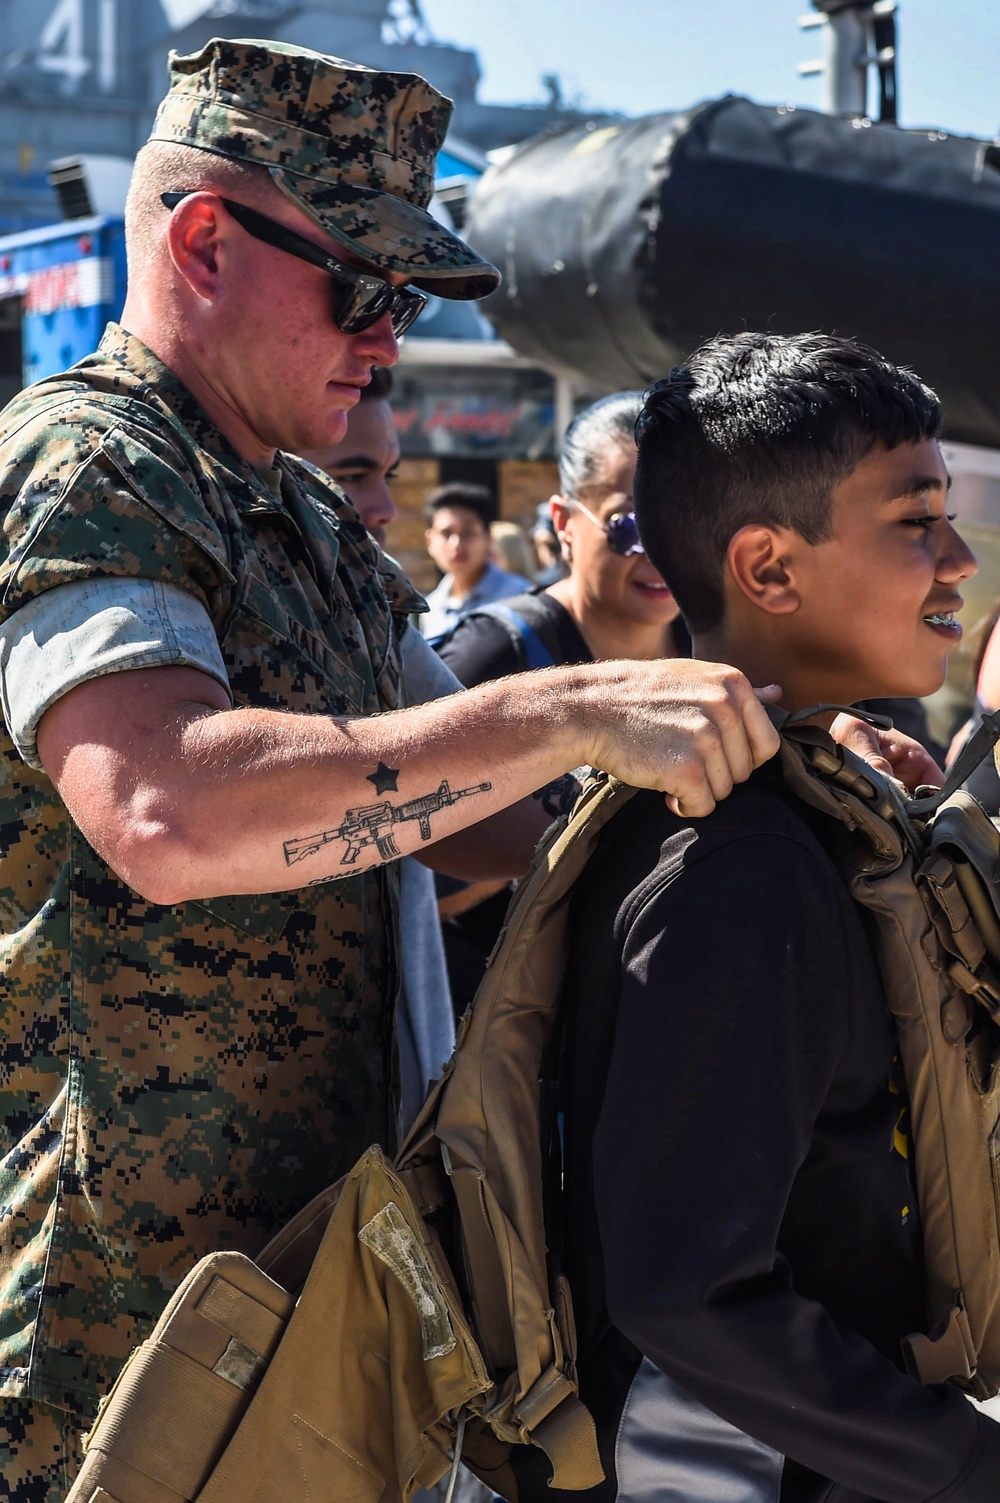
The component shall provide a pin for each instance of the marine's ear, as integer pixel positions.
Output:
(195, 236)
(760, 562)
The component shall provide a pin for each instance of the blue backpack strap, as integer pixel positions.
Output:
(528, 644)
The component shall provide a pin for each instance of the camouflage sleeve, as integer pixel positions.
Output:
(84, 630)
(91, 496)
(328, 497)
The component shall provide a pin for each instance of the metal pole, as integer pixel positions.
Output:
(845, 58)
(858, 35)
(565, 402)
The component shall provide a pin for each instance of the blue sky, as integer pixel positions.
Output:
(644, 55)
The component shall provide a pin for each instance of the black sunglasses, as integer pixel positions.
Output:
(620, 529)
(361, 300)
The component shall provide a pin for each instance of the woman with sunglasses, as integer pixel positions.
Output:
(612, 603)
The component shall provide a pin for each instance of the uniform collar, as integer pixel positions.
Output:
(137, 374)
(154, 382)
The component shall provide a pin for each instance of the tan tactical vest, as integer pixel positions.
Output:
(431, 1321)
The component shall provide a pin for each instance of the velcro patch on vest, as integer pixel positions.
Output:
(390, 1238)
(240, 1365)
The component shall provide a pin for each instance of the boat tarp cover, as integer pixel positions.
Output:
(623, 246)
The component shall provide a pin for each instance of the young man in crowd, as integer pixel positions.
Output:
(458, 540)
(364, 463)
(741, 1236)
(364, 460)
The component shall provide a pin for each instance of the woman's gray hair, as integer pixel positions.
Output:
(612, 419)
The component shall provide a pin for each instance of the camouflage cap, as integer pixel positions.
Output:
(352, 147)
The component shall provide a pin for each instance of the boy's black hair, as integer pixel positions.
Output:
(474, 498)
(761, 428)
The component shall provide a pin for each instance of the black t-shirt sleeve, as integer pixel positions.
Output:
(737, 1010)
(479, 649)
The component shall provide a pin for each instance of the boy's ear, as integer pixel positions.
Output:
(761, 564)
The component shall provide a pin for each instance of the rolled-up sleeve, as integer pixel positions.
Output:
(84, 630)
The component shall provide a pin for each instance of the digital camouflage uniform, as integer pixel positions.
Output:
(175, 1079)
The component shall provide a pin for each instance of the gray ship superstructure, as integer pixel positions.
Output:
(82, 77)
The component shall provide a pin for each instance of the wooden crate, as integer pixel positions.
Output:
(405, 542)
(523, 484)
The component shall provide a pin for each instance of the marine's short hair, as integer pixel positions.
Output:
(760, 428)
(461, 493)
(167, 166)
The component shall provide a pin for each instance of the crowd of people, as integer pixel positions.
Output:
(224, 975)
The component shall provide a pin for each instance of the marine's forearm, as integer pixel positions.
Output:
(206, 800)
(185, 797)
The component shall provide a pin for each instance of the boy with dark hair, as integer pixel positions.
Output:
(458, 540)
(741, 1234)
(463, 494)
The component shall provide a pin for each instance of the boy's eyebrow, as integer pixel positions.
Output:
(918, 485)
(354, 462)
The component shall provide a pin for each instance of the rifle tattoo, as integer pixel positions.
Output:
(373, 825)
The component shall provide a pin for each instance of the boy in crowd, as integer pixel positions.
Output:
(458, 540)
(740, 1234)
(364, 464)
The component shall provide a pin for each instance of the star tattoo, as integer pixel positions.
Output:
(384, 779)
